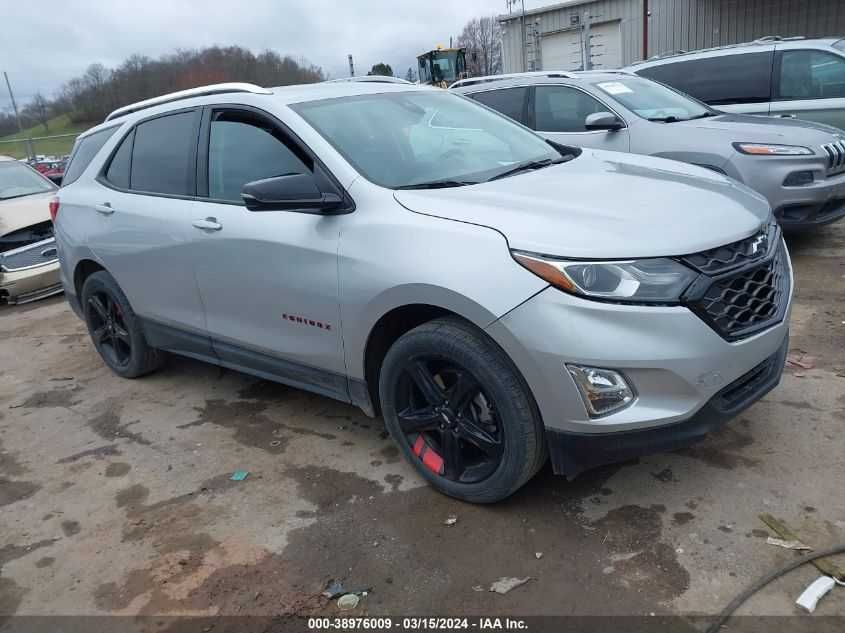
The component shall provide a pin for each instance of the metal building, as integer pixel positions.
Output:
(612, 33)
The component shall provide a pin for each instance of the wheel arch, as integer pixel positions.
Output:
(84, 269)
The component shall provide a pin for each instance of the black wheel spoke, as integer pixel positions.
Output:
(452, 457)
(122, 335)
(416, 420)
(480, 438)
(462, 392)
(98, 306)
(100, 334)
(424, 379)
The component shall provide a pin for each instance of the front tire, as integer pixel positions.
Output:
(460, 411)
(115, 329)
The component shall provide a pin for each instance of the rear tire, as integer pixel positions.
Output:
(460, 411)
(115, 329)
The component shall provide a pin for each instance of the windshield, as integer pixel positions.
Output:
(652, 100)
(413, 137)
(18, 180)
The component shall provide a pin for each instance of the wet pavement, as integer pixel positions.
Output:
(115, 495)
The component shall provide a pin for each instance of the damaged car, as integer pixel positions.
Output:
(29, 266)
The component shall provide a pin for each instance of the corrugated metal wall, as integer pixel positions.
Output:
(680, 24)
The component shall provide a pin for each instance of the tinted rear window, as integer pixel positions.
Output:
(510, 101)
(84, 151)
(162, 156)
(742, 78)
(118, 171)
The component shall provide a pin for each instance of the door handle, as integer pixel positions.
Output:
(104, 209)
(208, 224)
(787, 116)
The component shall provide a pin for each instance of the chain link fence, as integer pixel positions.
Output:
(55, 146)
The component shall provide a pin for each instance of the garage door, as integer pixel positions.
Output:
(606, 45)
(561, 51)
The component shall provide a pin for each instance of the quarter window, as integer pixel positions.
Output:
(162, 155)
(510, 101)
(740, 78)
(84, 151)
(242, 148)
(811, 75)
(563, 109)
(118, 171)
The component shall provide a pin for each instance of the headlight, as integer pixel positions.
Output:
(634, 281)
(763, 149)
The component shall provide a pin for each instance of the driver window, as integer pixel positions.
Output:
(563, 109)
(242, 148)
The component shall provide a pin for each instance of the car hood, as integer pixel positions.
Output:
(19, 213)
(604, 205)
(748, 128)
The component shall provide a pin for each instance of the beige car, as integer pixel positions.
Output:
(29, 266)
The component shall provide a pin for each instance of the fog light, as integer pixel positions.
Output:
(602, 390)
(798, 179)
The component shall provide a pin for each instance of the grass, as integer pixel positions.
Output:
(54, 146)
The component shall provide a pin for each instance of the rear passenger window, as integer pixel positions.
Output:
(162, 155)
(84, 151)
(243, 148)
(510, 101)
(563, 109)
(811, 75)
(742, 78)
(118, 171)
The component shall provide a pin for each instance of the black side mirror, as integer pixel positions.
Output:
(291, 192)
(603, 121)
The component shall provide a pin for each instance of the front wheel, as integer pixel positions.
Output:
(460, 411)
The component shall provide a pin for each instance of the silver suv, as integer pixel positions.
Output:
(496, 297)
(792, 77)
(790, 162)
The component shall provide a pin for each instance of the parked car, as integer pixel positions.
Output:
(496, 297)
(52, 169)
(29, 266)
(783, 77)
(789, 162)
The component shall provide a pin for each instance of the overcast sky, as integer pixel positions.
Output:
(44, 45)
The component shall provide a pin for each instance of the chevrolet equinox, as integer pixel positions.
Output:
(498, 298)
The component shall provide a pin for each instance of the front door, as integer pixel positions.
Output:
(560, 112)
(268, 279)
(810, 85)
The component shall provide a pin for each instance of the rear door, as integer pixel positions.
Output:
(810, 84)
(143, 213)
(268, 279)
(733, 82)
(559, 112)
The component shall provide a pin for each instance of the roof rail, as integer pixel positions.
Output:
(767, 39)
(551, 74)
(199, 91)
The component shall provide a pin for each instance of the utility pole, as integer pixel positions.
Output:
(30, 152)
(351, 67)
(522, 42)
(645, 29)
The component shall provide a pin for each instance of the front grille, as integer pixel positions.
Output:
(42, 252)
(747, 300)
(835, 157)
(721, 259)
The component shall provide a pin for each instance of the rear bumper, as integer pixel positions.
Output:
(573, 453)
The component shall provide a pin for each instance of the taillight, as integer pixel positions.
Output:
(54, 208)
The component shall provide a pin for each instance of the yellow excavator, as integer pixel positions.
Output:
(442, 66)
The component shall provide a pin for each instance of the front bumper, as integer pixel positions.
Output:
(796, 208)
(22, 286)
(573, 453)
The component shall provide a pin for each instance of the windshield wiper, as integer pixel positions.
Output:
(439, 184)
(666, 119)
(527, 166)
(703, 115)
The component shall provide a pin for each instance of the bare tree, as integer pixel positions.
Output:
(411, 75)
(482, 37)
(41, 109)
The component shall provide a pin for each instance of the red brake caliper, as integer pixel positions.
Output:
(429, 457)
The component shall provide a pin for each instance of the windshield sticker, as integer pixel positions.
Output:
(614, 87)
